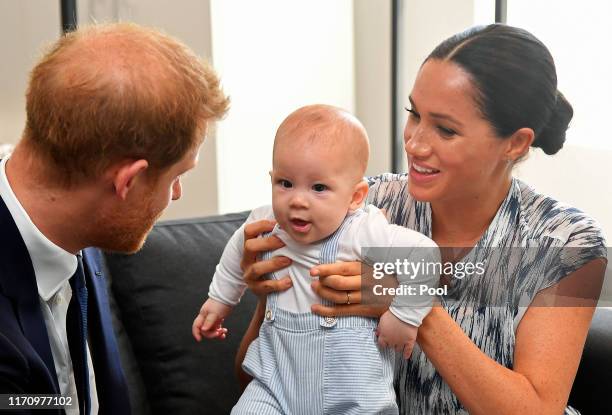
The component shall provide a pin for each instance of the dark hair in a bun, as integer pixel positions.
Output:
(516, 81)
(552, 136)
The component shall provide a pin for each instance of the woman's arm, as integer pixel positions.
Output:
(549, 343)
(251, 334)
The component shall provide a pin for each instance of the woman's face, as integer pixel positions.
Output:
(452, 150)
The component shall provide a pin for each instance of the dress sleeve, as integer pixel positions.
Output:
(227, 284)
(584, 244)
(410, 252)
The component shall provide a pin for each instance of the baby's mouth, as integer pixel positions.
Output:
(300, 225)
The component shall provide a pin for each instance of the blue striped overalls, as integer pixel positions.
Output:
(307, 364)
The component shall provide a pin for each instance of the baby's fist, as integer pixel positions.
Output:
(208, 323)
(393, 332)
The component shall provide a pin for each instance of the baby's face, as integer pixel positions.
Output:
(312, 189)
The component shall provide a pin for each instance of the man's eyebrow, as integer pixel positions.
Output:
(437, 114)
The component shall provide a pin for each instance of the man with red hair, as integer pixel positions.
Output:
(115, 115)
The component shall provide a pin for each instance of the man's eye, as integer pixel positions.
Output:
(285, 183)
(319, 187)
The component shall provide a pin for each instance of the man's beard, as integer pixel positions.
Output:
(125, 232)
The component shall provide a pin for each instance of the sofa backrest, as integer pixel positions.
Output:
(157, 293)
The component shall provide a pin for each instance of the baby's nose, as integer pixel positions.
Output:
(298, 201)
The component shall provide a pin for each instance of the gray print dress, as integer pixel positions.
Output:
(518, 246)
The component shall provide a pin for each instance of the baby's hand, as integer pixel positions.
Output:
(393, 332)
(208, 323)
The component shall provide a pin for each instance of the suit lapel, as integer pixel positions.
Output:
(18, 282)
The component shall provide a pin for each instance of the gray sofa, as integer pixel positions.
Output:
(156, 293)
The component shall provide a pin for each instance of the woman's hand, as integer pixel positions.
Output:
(340, 283)
(253, 269)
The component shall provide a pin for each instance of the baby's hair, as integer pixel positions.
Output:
(326, 125)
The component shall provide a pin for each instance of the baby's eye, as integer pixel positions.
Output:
(319, 187)
(285, 183)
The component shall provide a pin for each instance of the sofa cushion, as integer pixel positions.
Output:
(159, 291)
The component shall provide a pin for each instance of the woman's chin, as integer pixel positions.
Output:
(421, 194)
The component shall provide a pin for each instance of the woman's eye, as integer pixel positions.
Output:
(285, 183)
(413, 113)
(319, 187)
(446, 132)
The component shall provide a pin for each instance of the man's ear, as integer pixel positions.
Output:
(359, 194)
(519, 143)
(125, 176)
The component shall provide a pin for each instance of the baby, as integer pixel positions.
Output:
(301, 362)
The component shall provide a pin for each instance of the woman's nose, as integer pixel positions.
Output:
(416, 142)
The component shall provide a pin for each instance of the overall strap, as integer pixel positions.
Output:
(272, 298)
(328, 254)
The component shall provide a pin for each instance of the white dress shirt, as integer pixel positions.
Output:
(53, 267)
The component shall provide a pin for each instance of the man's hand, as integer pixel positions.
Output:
(393, 332)
(208, 323)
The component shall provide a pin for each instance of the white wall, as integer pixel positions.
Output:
(275, 56)
(25, 27)
(373, 78)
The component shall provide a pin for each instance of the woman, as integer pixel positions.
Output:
(480, 100)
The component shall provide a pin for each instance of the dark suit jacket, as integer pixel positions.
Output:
(26, 362)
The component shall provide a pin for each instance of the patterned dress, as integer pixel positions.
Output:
(519, 245)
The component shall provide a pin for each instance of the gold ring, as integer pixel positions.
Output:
(348, 297)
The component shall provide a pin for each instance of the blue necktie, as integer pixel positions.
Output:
(76, 327)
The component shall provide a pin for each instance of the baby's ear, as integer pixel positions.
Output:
(359, 194)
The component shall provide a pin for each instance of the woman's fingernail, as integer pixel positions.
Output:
(285, 261)
(314, 272)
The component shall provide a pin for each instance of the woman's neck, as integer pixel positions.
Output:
(461, 222)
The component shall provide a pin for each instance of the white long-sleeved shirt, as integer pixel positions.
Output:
(369, 229)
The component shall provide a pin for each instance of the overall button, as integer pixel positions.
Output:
(268, 315)
(330, 320)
